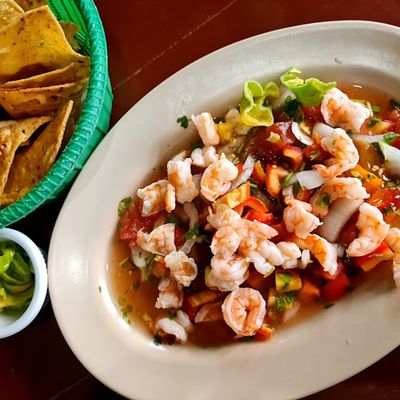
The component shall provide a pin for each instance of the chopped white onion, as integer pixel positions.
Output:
(305, 259)
(288, 191)
(139, 256)
(192, 214)
(392, 158)
(322, 129)
(368, 138)
(284, 94)
(244, 176)
(300, 135)
(310, 179)
(337, 217)
(340, 250)
(291, 312)
(187, 246)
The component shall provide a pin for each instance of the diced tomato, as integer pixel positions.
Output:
(159, 269)
(295, 154)
(179, 236)
(313, 112)
(315, 153)
(304, 195)
(371, 260)
(378, 128)
(265, 332)
(309, 292)
(273, 176)
(258, 174)
(283, 234)
(254, 203)
(283, 130)
(257, 281)
(239, 166)
(326, 275)
(335, 289)
(254, 215)
(388, 201)
(395, 143)
(132, 221)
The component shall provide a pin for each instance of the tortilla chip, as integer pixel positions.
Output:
(33, 162)
(38, 101)
(31, 4)
(34, 43)
(12, 134)
(70, 30)
(9, 10)
(71, 73)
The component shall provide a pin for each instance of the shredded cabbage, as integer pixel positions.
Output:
(308, 92)
(254, 108)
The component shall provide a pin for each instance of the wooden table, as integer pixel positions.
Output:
(148, 41)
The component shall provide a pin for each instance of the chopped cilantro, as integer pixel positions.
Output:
(291, 107)
(123, 205)
(390, 136)
(173, 219)
(373, 122)
(376, 109)
(171, 314)
(124, 263)
(195, 145)
(136, 285)
(314, 155)
(324, 200)
(394, 104)
(183, 121)
(126, 310)
(329, 305)
(284, 301)
(157, 340)
(286, 278)
(191, 233)
(287, 180)
(99, 289)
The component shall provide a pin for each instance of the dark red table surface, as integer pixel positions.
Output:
(148, 41)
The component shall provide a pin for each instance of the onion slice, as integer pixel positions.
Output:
(337, 217)
(368, 138)
(392, 158)
(244, 176)
(323, 130)
(300, 135)
(310, 179)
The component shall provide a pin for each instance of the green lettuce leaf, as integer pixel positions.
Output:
(308, 92)
(254, 108)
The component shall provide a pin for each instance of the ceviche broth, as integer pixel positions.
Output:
(283, 206)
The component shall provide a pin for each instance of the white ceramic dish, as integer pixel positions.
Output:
(320, 351)
(12, 324)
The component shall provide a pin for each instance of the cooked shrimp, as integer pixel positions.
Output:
(244, 310)
(209, 312)
(256, 247)
(393, 240)
(178, 327)
(338, 110)
(159, 241)
(181, 178)
(170, 293)
(182, 268)
(343, 150)
(207, 129)
(298, 218)
(321, 249)
(156, 197)
(227, 272)
(373, 230)
(223, 215)
(203, 157)
(217, 178)
(226, 240)
(291, 254)
(336, 188)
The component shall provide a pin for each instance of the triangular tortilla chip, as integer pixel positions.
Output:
(33, 162)
(9, 10)
(37, 101)
(31, 4)
(12, 134)
(34, 43)
(71, 73)
(70, 30)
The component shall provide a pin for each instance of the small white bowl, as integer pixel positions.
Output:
(11, 324)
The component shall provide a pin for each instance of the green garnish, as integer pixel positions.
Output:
(291, 108)
(286, 278)
(191, 233)
(284, 301)
(171, 314)
(123, 205)
(376, 109)
(394, 104)
(390, 136)
(314, 155)
(329, 305)
(124, 263)
(157, 340)
(287, 180)
(173, 219)
(195, 145)
(373, 122)
(183, 121)
(324, 200)
(308, 92)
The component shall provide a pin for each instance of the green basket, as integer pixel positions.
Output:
(95, 117)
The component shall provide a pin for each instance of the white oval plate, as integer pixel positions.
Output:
(318, 352)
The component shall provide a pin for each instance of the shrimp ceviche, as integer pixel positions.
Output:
(282, 202)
